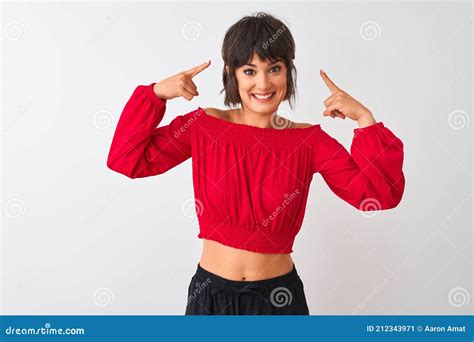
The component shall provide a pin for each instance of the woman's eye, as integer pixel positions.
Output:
(251, 71)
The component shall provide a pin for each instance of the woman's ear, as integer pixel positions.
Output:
(227, 68)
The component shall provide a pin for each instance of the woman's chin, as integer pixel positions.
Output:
(263, 109)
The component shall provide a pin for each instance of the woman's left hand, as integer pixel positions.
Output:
(341, 104)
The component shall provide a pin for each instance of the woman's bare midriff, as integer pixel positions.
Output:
(238, 264)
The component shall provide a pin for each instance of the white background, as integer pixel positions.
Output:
(78, 238)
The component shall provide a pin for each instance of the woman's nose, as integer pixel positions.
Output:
(263, 82)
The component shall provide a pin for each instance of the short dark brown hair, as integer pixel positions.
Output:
(265, 35)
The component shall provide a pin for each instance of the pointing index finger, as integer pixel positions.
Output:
(331, 85)
(196, 70)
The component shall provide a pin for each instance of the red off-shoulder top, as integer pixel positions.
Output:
(251, 184)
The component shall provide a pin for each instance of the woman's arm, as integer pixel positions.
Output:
(371, 176)
(139, 148)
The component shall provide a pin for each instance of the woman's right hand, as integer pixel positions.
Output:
(180, 84)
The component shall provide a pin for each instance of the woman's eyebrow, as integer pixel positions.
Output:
(253, 65)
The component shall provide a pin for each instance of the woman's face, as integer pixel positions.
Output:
(262, 85)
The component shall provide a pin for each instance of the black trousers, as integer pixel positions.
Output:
(210, 294)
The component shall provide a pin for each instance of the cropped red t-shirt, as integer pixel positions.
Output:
(251, 184)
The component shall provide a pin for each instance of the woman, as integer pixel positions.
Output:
(252, 168)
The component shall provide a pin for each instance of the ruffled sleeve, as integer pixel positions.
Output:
(371, 176)
(139, 148)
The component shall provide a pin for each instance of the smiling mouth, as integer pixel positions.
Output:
(263, 97)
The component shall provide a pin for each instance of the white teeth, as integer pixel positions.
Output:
(263, 96)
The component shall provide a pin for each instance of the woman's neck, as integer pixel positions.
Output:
(247, 117)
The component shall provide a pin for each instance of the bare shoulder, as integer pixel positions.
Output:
(227, 115)
(218, 113)
(300, 125)
(210, 111)
(291, 124)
